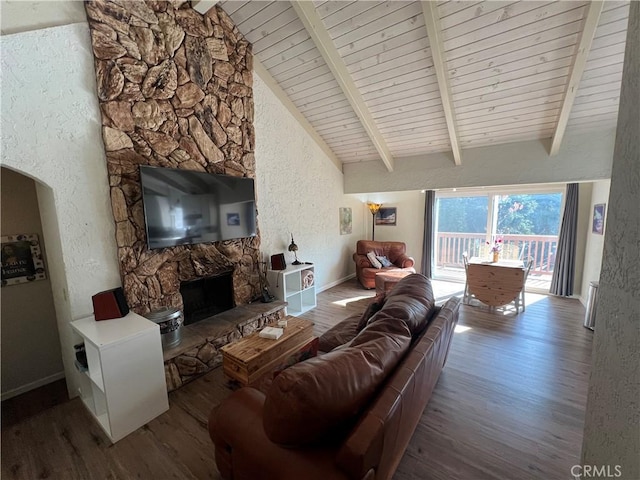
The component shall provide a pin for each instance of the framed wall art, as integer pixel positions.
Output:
(598, 219)
(346, 221)
(21, 259)
(386, 216)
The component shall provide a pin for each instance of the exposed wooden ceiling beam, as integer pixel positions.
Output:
(432, 22)
(293, 110)
(203, 6)
(314, 26)
(580, 61)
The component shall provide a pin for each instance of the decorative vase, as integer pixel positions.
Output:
(496, 257)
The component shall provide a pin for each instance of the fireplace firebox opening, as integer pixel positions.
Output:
(206, 297)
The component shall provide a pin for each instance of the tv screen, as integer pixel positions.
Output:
(184, 206)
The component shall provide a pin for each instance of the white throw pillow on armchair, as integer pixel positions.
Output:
(384, 261)
(374, 261)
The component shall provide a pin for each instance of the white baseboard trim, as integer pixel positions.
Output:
(337, 282)
(31, 386)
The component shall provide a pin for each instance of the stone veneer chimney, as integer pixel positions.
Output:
(175, 90)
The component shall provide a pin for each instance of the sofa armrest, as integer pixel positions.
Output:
(404, 261)
(362, 261)
(361, 453)
(244, 452)
(239, 413)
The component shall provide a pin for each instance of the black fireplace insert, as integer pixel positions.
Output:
(206, 297)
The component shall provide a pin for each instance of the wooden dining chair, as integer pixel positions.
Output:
(466, 296)
(520, 300)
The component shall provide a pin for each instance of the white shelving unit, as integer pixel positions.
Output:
(288, 285)
(124, 386)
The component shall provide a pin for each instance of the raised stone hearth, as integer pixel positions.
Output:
(199, 350)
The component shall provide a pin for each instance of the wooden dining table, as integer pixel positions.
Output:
(495, 283)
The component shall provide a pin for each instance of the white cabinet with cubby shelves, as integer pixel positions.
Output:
(124, 385)
(296, 286)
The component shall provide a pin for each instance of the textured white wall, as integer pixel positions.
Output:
(30, 344)
(594, 243)
(51, 132)
(612, 420)
(299, 190)
(581, 158)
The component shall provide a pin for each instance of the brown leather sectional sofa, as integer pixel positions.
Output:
(396, 252)
(348, 413)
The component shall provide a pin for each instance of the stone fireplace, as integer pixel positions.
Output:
(175, 90)
(207, 297)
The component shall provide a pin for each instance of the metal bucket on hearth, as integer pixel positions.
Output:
(170, 321)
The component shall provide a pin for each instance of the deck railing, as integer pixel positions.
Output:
(542, 248)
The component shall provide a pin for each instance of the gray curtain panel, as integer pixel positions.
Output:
(428, 244)
(564, 267)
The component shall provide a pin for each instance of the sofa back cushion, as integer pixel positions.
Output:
(386, 426)
(374, 307)
(345, 331)
(320, 397)
(415, 285)
(339, 334)
(411, 301)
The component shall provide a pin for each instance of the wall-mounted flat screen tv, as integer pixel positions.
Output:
(184, 207)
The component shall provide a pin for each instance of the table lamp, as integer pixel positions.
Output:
(294, 248)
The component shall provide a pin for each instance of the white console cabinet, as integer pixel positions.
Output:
(124, 386)
(289, 286)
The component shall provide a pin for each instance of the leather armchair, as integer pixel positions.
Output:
(394, 251)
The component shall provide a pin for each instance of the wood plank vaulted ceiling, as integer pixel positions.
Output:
(378, 81)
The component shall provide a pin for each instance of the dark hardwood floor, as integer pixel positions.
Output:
(17, 409)
(509, 405)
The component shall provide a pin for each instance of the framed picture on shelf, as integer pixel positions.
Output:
(21, 259)
(598, 219)
(386, 216)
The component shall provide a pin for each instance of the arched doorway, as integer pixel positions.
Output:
(31, 346)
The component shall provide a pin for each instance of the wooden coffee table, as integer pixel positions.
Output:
(251, 357)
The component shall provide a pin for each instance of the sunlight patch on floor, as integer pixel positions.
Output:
(509, 309)
(442, 290)
(345, 301)
(531, 298)
(461, 329)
